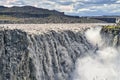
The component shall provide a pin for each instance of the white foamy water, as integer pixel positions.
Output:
(102, 65)
(53, 54)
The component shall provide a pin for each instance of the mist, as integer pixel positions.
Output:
(103, 64)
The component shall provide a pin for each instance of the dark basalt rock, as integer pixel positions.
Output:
(48, 56)
(111, 35)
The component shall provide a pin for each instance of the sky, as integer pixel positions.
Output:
(72, 7)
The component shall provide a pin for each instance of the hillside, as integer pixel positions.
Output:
(29, 14)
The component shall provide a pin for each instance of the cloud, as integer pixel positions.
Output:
(98, 1)
(118, 1)
(63, 2)
(10, 3)
(65, 8)
(72, 7)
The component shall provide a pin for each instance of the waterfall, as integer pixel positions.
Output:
(103, 64)
(54, 54)
(84, 54)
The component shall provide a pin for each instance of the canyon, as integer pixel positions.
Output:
(58, 52)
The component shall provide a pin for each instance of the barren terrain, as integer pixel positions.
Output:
(41, 28)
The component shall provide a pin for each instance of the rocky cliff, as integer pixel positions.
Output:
(38, 55)
(48, 56)
(111, 35)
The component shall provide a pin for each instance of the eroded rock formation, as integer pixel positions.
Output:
(47, 56)
(45, 53)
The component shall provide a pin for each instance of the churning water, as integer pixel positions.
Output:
(60, 53)
(103, 64)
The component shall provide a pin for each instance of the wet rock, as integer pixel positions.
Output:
(48, 56)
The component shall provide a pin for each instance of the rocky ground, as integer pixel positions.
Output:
(39, 28)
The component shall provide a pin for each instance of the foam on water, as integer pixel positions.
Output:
(104, 64)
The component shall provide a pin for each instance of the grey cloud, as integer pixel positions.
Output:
(78, 7)
(67, 2)
(98, 1)
(90, 3)
(18, 3)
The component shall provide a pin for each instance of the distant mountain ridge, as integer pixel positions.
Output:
(28, 10)
(30, 14)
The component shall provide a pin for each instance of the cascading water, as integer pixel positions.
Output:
(86, 54)
(103, 64)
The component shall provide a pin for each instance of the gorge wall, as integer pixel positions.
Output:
(67, 54)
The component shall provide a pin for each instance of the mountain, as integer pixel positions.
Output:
(28, 11)
(30, 14)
